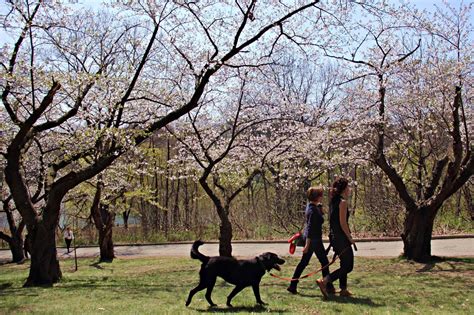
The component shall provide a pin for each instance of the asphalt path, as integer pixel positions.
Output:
(459, 247)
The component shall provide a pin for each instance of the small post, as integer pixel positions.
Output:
(74, 241)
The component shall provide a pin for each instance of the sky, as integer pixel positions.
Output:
(421, 4)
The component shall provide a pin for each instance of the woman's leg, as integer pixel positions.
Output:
(320, 252)
(346, 257)
(299, 269)
(347, 264)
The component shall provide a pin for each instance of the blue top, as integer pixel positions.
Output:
(314, 221)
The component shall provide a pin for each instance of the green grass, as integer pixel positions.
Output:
(161, 285)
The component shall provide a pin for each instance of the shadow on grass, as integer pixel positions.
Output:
(4, 286)
(453, 262)
(341, 299)
(246, 309)
(13, 263)
(309, 295)
(354, 300)
(7, 289)
(97, 264)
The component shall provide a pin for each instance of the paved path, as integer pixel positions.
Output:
(439, 247)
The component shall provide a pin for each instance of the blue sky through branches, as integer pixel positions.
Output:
(429, 5)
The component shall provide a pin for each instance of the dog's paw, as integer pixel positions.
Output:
(262, 303)
(229, 305)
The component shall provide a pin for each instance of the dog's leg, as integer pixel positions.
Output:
(234, 292)
(201, 286)
(256, 291)
(210, 287)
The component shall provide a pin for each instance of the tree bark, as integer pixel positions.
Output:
(225, 237)
(126, 215)
(176, 212)
(417, 234)
(44, 269)
(167, 189)
(468, 199)
(16, 247)
(105, 235)
(104, 222)
(187, 207)
(15, 241)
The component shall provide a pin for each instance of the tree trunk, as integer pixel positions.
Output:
(417, 234)
(225, 237)
(125, 216)
(176, 212)
(44, 269)
(15, 241)
(16, 247)
(104, 222)
(187, 208)
(105, 235)
(468, 199)
(167, 188)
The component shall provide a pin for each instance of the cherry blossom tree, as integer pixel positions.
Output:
(100, 85)
(223, 143)
(410, 76)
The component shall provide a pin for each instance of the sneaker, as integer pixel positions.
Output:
(345, 292)
(322, 287)
(292, 290)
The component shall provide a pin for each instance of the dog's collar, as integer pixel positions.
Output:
(262, 265)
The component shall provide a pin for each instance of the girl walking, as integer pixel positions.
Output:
(341, 238)
(313, 235)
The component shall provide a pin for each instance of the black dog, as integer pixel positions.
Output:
(241, 273)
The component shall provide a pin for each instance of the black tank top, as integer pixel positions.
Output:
(334, 223)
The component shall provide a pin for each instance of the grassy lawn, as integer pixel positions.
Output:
(161, 285)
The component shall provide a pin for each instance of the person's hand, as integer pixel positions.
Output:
(305, 249)
(350, 239)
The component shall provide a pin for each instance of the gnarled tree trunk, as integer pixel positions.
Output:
(104, 222)
(417, 233)
(105, 234)
(15, 241)
(44, 268)
(16, 247)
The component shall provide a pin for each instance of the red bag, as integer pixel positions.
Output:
(294, 241)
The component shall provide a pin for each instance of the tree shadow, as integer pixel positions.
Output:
(5, 286)
(452, 262)
(236, 309)
(11, 262)
(97, 265)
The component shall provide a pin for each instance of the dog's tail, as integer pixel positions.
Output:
(195, 254)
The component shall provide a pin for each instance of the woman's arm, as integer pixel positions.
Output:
(343, 220)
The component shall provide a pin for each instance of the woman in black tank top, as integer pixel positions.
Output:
(340, 236)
